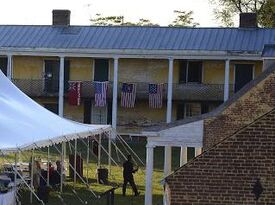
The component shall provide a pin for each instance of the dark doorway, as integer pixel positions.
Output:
(243, 75)
(51, 76)
(87, 111)
(101, 70)
(4, 65)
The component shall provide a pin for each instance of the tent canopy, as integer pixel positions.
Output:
(25, 124)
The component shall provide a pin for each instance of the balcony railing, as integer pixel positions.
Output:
(189, 91)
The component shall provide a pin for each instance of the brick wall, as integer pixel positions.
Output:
(258, 100)
(226, 173)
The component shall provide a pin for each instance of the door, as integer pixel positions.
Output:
(99, 114)
(101, 70)
(51, 77)
(243, 75)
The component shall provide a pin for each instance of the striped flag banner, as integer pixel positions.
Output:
(74, 93)
(128, 95)
(100, 93)
(155, 95)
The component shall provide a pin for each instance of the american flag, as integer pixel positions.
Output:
(100, 93)
(155, 95)
(128, 95)
(74, 93)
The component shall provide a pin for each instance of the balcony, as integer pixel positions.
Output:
(194, 92)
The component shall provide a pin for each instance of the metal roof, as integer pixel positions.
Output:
(129, 37)
(269, 51)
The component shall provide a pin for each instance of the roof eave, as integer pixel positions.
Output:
(131, 53)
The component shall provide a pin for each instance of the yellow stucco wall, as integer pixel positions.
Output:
(81, 69)
(27, 67)
(213, 72)
(143, 70)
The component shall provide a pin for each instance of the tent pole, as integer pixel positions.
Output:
(109, 151)
(75, 153)
(71, 166)
(62, 166)
(32, 170)
(99, 152)
(15, 173)
(48, 172)
(105, 151)
(88, 154)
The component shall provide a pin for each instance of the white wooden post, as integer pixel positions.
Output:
(168, 149)
(149, 174)
(115, 88)
(167, 160)
(61, 88)
(183, 155)
(170, 91)
(226, 80)
(9, 67)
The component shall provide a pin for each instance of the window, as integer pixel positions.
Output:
(185, 110)
(101, 70)
(190, 72)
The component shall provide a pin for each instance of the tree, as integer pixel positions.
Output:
(183, 18)
(227, 9)
(100, 20)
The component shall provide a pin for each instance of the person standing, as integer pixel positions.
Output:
(128, 170)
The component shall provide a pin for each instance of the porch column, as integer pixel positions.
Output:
(9, 67)
(170, 91)
(183, 155)
(226, 80)
(115, 87)
(61, 87)
(197, 151)
(149, 174)
(167, 160)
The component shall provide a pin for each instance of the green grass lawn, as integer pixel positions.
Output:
(115, 178)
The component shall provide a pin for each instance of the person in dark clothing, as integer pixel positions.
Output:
(128, 170)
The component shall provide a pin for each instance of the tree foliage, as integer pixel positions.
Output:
(183, 18)
(100, 20)
(226, 10)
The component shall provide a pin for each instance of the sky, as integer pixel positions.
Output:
(39, 12)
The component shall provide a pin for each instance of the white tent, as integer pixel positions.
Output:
(25, 124)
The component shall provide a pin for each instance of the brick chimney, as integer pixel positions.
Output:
(61, 17)
(248, 20)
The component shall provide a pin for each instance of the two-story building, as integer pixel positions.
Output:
(199, 67)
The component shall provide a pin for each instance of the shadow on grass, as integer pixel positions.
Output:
(83, 196)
